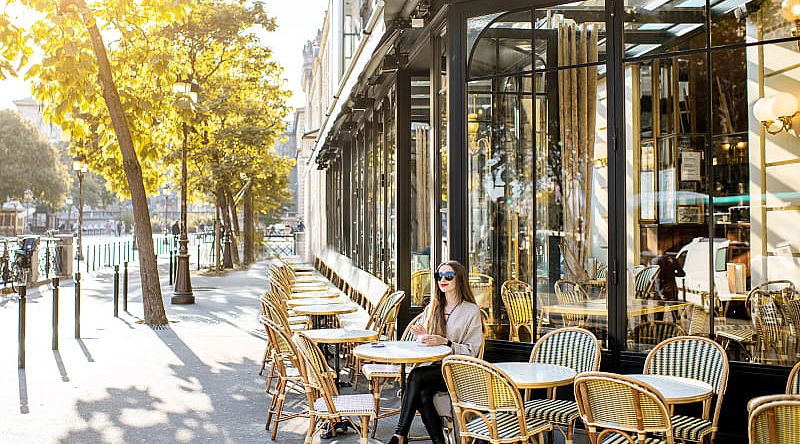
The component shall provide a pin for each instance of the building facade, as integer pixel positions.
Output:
(572, 153)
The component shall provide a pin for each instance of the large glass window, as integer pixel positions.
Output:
(536, 129)
(422, 190)
(712, 161)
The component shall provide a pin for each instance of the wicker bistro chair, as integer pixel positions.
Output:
(620, 410)
(383, 320)
(421, 287)
(655, 332)
(567, 293)
(483, 289)
(518, 300)
(571, 347)
(774, 419)
(644, 281)
(696, 358)
(793, 383)
(487, 405)
(287, 366)
(325, 404)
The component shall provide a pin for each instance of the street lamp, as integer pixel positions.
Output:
(185, 90)
(68, 226)
(80, 168)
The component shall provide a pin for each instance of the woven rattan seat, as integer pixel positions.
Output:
(372, 370)
(349, 404)
(774, 419)
(507, 426)
(571, 347)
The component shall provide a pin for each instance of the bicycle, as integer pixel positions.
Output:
(21, 267)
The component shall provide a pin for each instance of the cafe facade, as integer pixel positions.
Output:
(561, 151)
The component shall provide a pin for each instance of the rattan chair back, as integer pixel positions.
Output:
(407, 335)
(572, 347)
(281, 340)
(317, 376)
(692, 357)
(654, 332)
(774, 419)
(769, 319)
(483, 289)
(384, 316)
(793, 384)
(421, 287)
(518, 300)
(478, 389)
(611, 404)
(571, 293)
(644, 281)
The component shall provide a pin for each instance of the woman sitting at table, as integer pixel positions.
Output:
(452, 318)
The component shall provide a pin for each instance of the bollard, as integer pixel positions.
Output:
(77, 305)
(55, 313)
(116, 291)
(23, 290)
(170, 266)
(125, 288)
(198, 256)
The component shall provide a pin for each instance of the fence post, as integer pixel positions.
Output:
(125, 288)
(198, 255)
(55, 313)
(46, 259)
(77, 305)
(23, 291)
(170, 266)
(116, 291)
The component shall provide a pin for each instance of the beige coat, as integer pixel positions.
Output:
(463, 328)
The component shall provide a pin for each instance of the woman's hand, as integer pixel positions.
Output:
(418, 329)
(434, 340)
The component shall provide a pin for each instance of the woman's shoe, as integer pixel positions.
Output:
(396, 439)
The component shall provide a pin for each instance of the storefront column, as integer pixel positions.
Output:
(457, 158)
(403, 201)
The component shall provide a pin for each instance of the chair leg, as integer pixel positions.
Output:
(274, 403)
(279, 408)
(312, 425)
(364, 431)
(264, 361)
(375, 388)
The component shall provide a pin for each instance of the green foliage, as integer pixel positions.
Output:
(29, 162)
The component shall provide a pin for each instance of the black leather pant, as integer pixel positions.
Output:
(421, 386)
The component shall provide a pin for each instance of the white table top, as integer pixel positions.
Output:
(677, 390)
(318, 294)
(532, 375)
(402, 352)
(326, 309)
(340, 335)
(315, 301)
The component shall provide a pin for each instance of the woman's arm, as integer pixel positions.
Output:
(471, 338)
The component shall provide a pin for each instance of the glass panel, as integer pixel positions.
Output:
(421, 191)
(663, 26)
(500, 140)
(666, 103)
(739, 21)
(756, 205)
(369, 193)
(581, 24)
(504, 47)
(391, 187)
(380, 194)
(441, 159)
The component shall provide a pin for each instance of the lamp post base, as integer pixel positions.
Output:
(183, 283)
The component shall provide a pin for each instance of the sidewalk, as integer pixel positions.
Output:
(123, 382)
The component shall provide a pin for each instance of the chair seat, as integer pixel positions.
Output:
(380, 371)
(559, 411)
(297, 327)
(616, 438)
(348, 404)
(507, 426)
(690, 428)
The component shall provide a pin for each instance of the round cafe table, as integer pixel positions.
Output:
(337, 337)
(302, 288)
(677, 390)
(325, 310)
(403, 353)
(318, 294)
(533, 375)
(314, 301)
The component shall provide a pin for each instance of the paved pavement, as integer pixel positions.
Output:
(123, 382)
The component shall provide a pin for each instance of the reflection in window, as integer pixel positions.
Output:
(421, 191)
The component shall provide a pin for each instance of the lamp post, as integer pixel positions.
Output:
(80, 168)
(27, 197)
(185, 90)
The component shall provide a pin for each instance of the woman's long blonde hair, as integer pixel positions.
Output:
(436, 322)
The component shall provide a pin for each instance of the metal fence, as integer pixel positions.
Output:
(278, 245)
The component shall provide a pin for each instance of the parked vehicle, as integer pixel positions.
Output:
(694, 259)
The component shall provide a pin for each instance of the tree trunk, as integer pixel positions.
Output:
(249, 227)
(226, 219)
(154, 314)
(234, 227)
(217, 239)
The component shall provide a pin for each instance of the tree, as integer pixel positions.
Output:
(30, 162)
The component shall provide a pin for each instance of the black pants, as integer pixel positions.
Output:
(421, 386)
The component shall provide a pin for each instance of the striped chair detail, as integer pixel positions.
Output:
(486, 403)
(571, 347)
(644, 281)
(518, 301)
(774, 419)
(696, 358)
(654, 332)
(617, 438)
(570, 292)
(793, 384)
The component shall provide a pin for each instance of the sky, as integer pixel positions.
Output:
(298, 22)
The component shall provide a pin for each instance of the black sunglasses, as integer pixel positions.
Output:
(447, 275)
